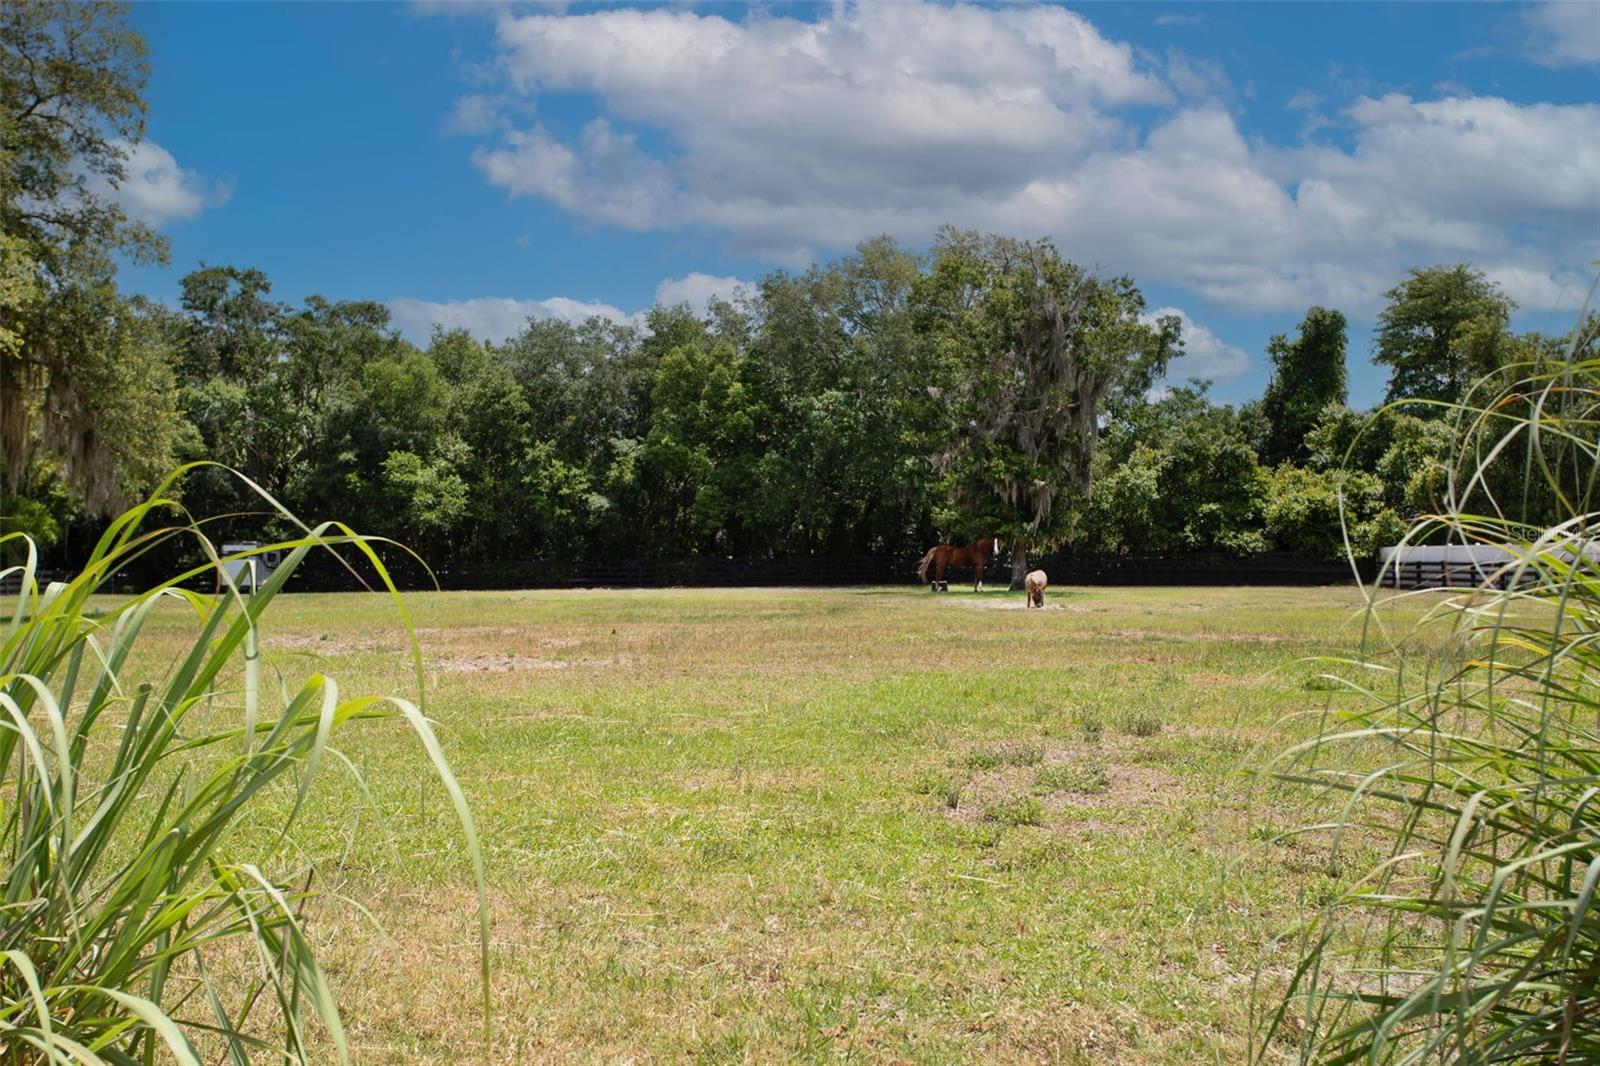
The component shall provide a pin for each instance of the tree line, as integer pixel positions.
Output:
(873, 404)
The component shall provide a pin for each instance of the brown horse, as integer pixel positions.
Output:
(941, 556)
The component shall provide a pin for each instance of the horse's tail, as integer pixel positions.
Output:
(922, 567)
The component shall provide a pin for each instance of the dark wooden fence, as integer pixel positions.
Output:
(324, 574)
(321, 572)
(1270, 569)
(1448, 574)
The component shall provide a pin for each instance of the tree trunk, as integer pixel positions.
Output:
(1019, 566)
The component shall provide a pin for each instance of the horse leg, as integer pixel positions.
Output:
(978, 584)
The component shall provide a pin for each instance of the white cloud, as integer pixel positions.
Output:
(1205, 355)
(156, 191)
(1197, 77)
(490, 318)
(910, 105)
(801, 138)
(605, 176)
(697, 290)
(1564, 33)
(476, 113)
(1272, 229)
(1536, 290)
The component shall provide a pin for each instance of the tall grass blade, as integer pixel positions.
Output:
(128, 786)
(1470, 784)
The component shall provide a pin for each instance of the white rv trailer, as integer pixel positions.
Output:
(247, 574)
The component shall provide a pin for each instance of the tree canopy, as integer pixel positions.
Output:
(1023, 347)
(1308, 374)
(1444, 327)
(86, 386)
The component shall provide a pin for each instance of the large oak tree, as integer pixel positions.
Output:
(86, 387)
(1023, 350)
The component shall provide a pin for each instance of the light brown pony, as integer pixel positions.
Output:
(941, 556)
(1036, 583)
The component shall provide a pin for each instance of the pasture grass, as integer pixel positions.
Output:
(1142, 723)
(1071, 777)
(777, 825)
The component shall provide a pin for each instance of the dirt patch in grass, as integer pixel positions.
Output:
(1019, 604)
(504, 664)
(321, 644)
(1202, 637)
(987, 789)
(1127, 786)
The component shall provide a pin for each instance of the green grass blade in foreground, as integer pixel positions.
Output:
(1474, 936)
(125, 860)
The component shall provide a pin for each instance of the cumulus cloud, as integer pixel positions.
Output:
(1537, 290)
(868, 106)
(476, 113)
(1197, 77)
(156, 190)
(1205, 355)
(698, 290)
(1563, 33)
(492, 318)
(798, 139)
(495, 319)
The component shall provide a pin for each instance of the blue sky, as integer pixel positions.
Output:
(474, 165)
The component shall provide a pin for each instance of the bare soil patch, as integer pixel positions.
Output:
(505, 664)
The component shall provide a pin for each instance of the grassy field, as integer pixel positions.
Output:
(766, 825)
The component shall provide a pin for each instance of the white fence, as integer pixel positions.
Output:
(1429, 566)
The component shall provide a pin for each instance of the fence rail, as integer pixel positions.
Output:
(321, 572)
(1445, 574)
(850, 570)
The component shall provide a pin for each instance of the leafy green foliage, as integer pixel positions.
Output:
(78, 363)
(1308, 374)
(1409, 455)
(1444, 328)
(1312, 512)
(1178, 474)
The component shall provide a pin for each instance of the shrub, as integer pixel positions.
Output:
(125, 877)
(1476, 775)
(1305, 507)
